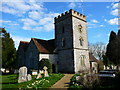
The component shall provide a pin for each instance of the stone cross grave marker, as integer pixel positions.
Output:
(22, 74)
(45, 72)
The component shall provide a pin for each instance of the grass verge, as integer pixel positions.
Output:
(11, 81)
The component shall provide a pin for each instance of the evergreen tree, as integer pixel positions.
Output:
(8, 50)
(118, 35)
(113, 48)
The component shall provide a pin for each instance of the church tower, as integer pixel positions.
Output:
(71, 42)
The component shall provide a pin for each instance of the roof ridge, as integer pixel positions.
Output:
(24, 41)
(39, 39)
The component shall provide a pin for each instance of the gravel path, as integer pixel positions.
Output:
(63, 82)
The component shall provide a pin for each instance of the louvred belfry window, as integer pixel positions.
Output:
(80, 28)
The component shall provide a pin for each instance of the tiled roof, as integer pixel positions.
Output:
(92, 58)
(24, 45)
(44, 46)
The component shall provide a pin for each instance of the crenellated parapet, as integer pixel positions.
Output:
(69, 13)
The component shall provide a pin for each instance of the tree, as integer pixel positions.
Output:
(47, 63)
(98, 50)
(118, 35)
(113, 48)
(8, 50)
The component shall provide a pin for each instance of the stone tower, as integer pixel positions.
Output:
(71, 42)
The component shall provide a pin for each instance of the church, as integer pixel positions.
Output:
(68, 52)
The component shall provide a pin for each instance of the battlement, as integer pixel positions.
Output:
(69, 13)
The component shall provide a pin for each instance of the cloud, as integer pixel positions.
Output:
(105, 20)
(107, 6)
(35, 15)
(20, 7)
(113, 21)
(44, 22)
(32, 14)
(94, 24)
(5, 21)
(98, 36)
(72, 5)
(115, 12)
(29, 22)
(94, 21)
(115, 5)
(101, 25)
(115, 9)
(8, 22)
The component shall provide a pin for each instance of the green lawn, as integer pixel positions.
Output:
(10, 81)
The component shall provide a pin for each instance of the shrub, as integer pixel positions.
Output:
(85, 79)
(74, 83)
(47, 63)
(89, 80)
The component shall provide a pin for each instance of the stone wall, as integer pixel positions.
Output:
(77, 34)
(52, 57)
(32, 56)
(20, 57)
(78, 62)
(66, 61)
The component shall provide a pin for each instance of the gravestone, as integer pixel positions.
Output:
(16, 71)
(29, 77)
(39, 76)
(34, 72)
(45, 72)
(22, 74)
(41, 71)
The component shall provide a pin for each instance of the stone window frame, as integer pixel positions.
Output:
(80, 28)
(81, 40)
(82, 60)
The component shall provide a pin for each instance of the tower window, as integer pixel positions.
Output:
(81, 41)
(80, 28)
(63, 42)
(82, 59)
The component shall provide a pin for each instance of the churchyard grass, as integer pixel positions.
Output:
(11, 81)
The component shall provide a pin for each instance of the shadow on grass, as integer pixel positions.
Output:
(9, 83)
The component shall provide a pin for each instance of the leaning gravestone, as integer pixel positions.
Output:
(22, 74)
(29, 77)
(45, 72)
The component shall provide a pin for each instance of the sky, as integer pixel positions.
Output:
(26, 19)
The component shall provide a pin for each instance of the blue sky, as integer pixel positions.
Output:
(31, 19)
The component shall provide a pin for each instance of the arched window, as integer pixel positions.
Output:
(81, 41)
(82, 60)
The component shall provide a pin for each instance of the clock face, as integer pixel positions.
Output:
(80, 28)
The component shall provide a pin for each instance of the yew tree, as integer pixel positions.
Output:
(8, 50)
